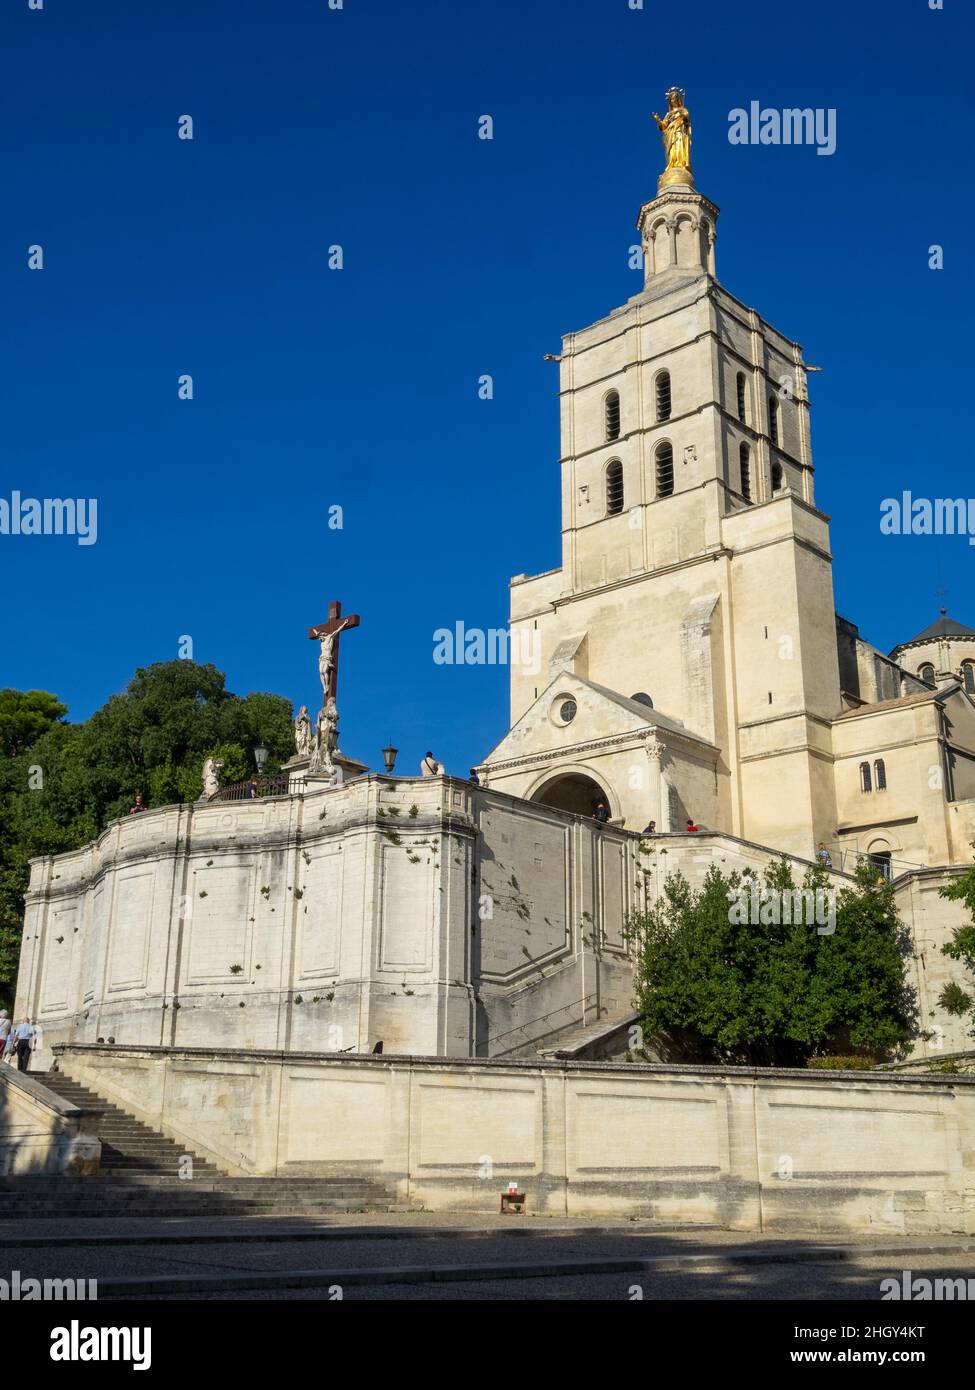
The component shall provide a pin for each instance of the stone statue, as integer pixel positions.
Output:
(212, 768)
(326, 738)
(326, 658)
(675, 130)
(303, 732)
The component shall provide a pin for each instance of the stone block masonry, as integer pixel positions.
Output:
(749, 1149)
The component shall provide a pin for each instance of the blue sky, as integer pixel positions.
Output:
(358, 388)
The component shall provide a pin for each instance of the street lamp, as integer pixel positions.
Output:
(260, 756)
(389, 757)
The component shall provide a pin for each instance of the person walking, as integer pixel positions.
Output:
(4, 1032)
(23, 1036)
(824, 856)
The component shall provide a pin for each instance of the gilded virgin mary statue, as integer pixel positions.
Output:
(675, 131)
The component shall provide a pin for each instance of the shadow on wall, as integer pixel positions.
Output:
(31, 1144)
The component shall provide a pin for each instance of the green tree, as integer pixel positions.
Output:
(719, 985)
(24, 716)
(61, 784)
(953, 998)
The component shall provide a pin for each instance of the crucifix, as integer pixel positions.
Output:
(328, 635)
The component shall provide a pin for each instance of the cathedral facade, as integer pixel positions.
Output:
(690, 664)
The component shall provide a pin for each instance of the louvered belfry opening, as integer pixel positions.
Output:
(663, 396)
(665, 470)
(612, 416)
(614, 488)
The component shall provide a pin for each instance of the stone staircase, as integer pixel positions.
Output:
(586, 1041)
(140, 1176)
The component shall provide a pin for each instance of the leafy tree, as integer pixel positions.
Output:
(24, 716)
(953, 998)
(61, 784)
(715, 985)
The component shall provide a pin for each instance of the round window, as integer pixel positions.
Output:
(567, 711)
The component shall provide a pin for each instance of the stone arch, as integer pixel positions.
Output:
(572, 788)
(688, 242)
(658, 241)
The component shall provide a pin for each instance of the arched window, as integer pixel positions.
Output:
(665, 470)
(612, 416)
(744, 468)
(926, 673)
(773, 420)
(614, 488)
(741, 397)
(968, 676)
(880, 775)
(663, 395)
(642, 698)
(865, 783)
(880, 859)
(776, 476)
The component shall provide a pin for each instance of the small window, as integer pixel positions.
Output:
(776, 476)
(614, 488)
(968, 676)
(865, 783)
(773, 420)
(665, 470)
(642, 698)
(612, 416)
(663, 396)
(880, 774)
(744, 468)
(926, 673)
(741, 397)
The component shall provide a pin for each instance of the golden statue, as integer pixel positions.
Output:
(675, 130)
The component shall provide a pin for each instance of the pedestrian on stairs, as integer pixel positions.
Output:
(4, 1032)
(23, 1036)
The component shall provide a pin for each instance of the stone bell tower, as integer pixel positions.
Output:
(695, 569)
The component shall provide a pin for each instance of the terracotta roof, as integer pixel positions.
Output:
(921, 698)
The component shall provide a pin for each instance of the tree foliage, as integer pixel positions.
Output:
(61, 783)
(713, 989)
(954, 999)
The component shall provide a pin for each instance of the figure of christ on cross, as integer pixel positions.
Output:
(328, 635)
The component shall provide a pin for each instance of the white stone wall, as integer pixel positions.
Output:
(439, 919)
(416, 912)
(748, 1149)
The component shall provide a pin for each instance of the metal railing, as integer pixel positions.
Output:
(253, 788)
(582, 1007)
(846, 860)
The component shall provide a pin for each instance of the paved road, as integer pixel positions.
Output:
(400, 1262)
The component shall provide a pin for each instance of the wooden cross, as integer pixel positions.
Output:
(336, 624)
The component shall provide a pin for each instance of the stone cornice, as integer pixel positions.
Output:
(635, 739)
(763, 1075)
(677, 196)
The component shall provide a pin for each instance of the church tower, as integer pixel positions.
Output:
(696, 573)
